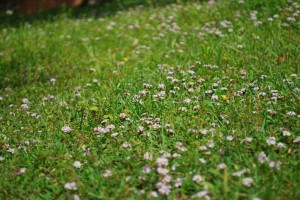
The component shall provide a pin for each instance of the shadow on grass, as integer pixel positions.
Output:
(19, 70)
(99, 10)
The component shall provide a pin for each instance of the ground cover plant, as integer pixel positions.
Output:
(152, 101)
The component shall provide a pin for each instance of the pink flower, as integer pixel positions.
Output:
(162, 161)
(71, 186)
(180, 146)
(274, 164)
(146, 169)
(262, 157)
(198, 178)
(271, 141)
(66, 129)
(167, 179)
(25, 106)
(178, 182)
(163, 188)
(247, 181)
(162, 171)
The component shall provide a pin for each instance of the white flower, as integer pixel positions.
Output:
(202, 148)
(183, 109)
(229, 137)
(21, 171)
(297, 140)
(176, 155)
(214, 97)
(110, 127)
(153, 194)
(291, 113)
(11, 150)
(222, 166)
(247, 181)
(148, 156)
(99, 129)
(107, 173)
(52, 80)
(262, 157)
(203, 131)
(161, 86)
(202, 194)
(76, 197)
(25, 106)
(198, 178)
(92, 70)
(140, 129)
(126, 145)
(9, 12)
(155, 126)
(166, 154)
(71, 186)
(271, 141)
(187, 100)
(25, 101)
(77, 164)
(274, 164)
(123, 116)
(1, 158)
(66, 129)
(173, 167)
(191, 90)
(180, 146)
(280, 145)
(114, 134)
(286, 133)
(256, 198)
(147, 86)
(240, 173)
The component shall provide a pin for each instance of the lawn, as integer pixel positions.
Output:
(151, 100)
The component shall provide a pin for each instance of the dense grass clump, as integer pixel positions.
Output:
(168, 101)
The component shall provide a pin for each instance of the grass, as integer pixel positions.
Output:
(212, 89)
